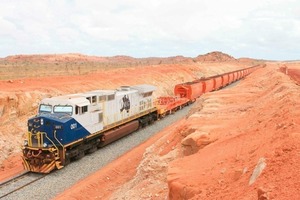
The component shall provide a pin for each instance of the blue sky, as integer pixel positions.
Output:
(266, 29)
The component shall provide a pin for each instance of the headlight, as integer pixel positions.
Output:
(42, 121)
(57, 127)
(25, 142)
(30, 124)
(45, 145)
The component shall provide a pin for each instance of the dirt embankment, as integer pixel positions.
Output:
(292, 70)
(19, 98)
(252, 137)
(241, 142)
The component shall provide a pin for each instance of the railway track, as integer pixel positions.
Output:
(18, 182)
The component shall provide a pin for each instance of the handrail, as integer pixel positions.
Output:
(50, 140)
(40, 134)
(54, 134)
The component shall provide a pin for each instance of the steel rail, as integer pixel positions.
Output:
(16, 179)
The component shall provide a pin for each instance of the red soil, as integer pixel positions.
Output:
(213, 153)
(11, 167)
(294, 74)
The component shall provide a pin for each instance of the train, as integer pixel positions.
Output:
(193, 90)
(67, 127)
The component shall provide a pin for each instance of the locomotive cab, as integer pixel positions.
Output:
(56, 124)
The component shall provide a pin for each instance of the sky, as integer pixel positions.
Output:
(261, 29)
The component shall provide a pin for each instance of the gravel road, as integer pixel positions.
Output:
(56, 182)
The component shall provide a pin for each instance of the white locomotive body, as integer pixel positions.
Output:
(68, 126)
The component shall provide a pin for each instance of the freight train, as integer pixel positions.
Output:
(70, 126)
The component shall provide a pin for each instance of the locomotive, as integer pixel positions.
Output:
(66, 127)
(70, 126)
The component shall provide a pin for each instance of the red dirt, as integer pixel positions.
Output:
(11, 167)
(294, 74)
(211, 154)
(292, 70)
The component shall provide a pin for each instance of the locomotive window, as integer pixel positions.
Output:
(102, 98)
(89, 98)
(84, 109)
(63, 109)
(110, 97)
(94, 99)
(81, 110)
(45, 108)
(147, 94)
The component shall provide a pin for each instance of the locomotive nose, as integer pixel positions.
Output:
(36, 132)
(35, 124)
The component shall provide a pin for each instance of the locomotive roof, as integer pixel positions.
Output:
(140, 88)
(98, 92)
(80, 98)
(65, 100)
(144, 88)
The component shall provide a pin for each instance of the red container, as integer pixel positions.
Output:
(242, 74)
(218, 82)
(225, 80)
(208, 85)
(230, 79)
(246, 71)
(190, 90)
(238, 75)
(233, 76)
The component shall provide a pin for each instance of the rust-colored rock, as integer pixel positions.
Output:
(262, 194)
(195, 141)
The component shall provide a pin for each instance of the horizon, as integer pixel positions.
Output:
(100, 56)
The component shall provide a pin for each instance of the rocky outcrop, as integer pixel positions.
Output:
(214, 57)
(195, 141)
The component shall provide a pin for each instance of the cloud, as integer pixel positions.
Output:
(259, 28)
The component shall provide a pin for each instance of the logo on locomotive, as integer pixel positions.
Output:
(73, 126)
(125, 104)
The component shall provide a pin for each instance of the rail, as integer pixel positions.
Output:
(14, 184)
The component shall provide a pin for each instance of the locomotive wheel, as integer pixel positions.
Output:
(151, 121)
(67, 159)
(143, 122)
(92, 149)
(80, 155)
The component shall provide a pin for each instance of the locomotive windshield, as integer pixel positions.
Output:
(45, 108)
(63, 109)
